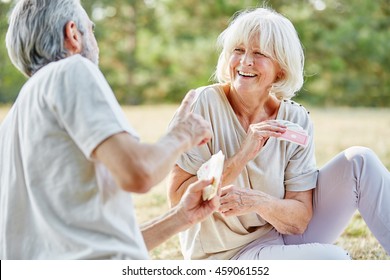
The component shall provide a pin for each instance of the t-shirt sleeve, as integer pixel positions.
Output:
(301, 171)
(86, 106)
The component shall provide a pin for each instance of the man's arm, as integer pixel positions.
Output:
(137, 166)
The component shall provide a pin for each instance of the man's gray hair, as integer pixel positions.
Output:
(35, 36)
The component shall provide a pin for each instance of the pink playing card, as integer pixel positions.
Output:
(298, 137)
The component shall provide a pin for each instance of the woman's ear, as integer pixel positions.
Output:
(280, 76)
(72, 38)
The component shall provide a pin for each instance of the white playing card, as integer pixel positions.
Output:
(212, 169)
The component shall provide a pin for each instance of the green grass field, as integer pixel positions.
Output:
(335, 130)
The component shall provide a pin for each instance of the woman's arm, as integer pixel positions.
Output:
(290, 215)
(178, 182)
(258, 134)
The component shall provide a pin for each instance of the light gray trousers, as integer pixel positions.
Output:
(353, 180)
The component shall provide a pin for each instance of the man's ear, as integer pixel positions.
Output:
(72, 38)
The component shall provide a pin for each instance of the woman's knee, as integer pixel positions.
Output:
(358, 153)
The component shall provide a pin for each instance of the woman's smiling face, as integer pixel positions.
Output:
(251, 70)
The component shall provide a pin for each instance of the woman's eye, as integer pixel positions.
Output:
(238, 50)
(260, 54)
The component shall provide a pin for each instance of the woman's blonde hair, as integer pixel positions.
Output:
(278, 40)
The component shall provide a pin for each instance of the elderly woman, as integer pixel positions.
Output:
(275, 204)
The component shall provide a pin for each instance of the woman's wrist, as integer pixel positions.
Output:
(233, 167)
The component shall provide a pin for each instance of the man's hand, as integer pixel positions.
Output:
(191, 210)
(192, 207)
(190, 126)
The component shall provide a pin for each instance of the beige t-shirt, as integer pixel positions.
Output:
(280, 166)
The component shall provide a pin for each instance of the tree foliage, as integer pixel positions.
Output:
(156, 50)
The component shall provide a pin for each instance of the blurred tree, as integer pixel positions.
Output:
(156, 50)
(11, 80)
(348, 61)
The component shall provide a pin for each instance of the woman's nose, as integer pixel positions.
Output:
(247, 59)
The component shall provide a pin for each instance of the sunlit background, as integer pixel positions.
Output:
(153, 51)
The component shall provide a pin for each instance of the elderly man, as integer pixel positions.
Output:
(69, 160)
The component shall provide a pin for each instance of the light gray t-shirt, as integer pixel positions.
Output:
(56, 202)
(280, 166)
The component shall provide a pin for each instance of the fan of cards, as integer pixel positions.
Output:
(211, 169)
(294, 133)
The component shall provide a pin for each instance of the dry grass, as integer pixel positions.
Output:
(336, 129)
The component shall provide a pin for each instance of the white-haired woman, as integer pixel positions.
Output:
(273, 207)
(69, 160)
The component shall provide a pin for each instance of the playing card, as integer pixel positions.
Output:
(294, 133)
(297, 137)
(212, 169)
